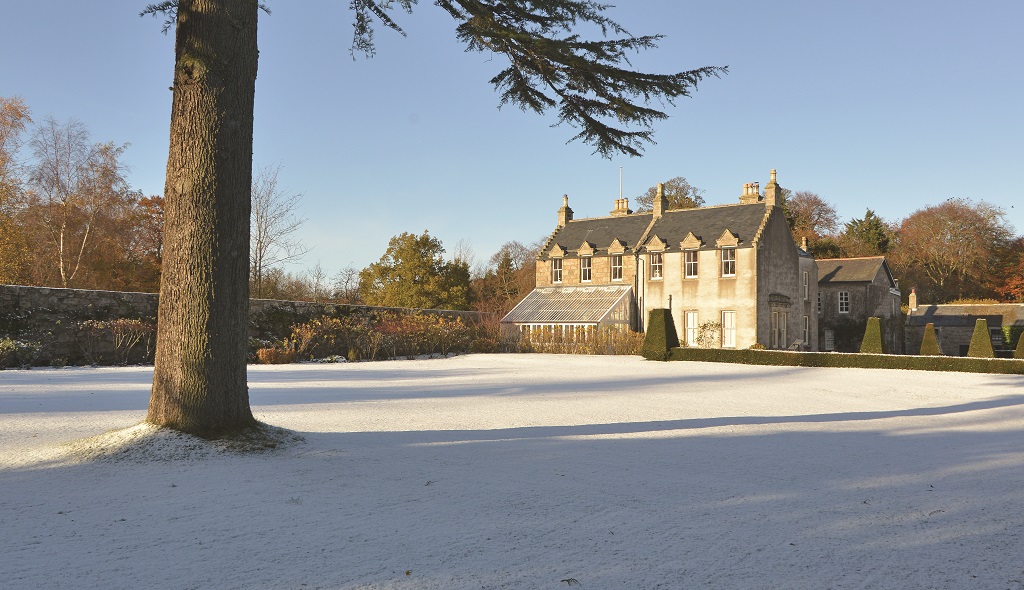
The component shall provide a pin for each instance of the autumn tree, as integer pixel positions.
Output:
(74, 183)
(273, 229)
(947, 251)
(413, 273)
(810, 216)
(510, 276)
(199, 383)
(679, 192)
(14, 117)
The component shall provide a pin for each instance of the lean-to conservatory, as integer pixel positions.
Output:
(572, 312)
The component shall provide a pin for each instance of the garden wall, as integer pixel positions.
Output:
(74, 326)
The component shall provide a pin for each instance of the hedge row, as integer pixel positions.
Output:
(838, 359)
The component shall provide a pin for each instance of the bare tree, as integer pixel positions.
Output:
(346, 285)
(317, 282)
(74, 181)
(272, 238)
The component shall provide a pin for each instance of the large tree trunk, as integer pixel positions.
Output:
(199, 384)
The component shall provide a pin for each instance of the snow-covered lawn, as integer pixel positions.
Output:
(523, 472)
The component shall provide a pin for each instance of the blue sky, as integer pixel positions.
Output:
(891, 106)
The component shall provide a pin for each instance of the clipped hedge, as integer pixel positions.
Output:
(661, 336)
(872, 341)
(981, 341)
(1019, 352)
(784, 358)
(930, 342)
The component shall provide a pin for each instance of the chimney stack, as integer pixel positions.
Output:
(773, 192)
(912, 300)
(660, 202)
(621, 208)
(803, 244)
(565, 213)
(751, 193)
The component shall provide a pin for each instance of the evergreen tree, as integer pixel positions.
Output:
(869, 236)
(872, 342)
(412, 273)
(199, 383)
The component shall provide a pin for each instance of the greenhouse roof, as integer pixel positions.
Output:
(568, 305)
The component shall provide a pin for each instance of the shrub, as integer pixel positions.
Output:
(872, 341)
(276, 356)
(709, 334)
(981, 341)
(18, 353)
(929, 342)
(864, 361)
(661, 335)
(127, 334)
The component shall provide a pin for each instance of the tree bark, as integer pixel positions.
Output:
(199, 382)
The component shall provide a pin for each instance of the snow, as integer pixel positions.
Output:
(522, 471)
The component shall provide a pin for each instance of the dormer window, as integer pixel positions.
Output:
(728, 262)
(556, 270)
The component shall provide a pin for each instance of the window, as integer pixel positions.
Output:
(556, 270)
(819, 302)
(807, 331)
(690, 328)
(775, 329)
(728, 262)
(830, 340)
(690, 264)
(656, 265)
(844, 302)
(783, 329)
(807, 286)
(585, 269)
(617, 267)
(728, 329)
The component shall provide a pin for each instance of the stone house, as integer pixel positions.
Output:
(733, 269)
(954, 325)
(850, 290)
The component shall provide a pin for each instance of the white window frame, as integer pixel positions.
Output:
(691, 327)
(728, 329)
(616, 264)
(657, 266)
(807, 286)
(830, 340)
(556, 270)
(728, 262)
(586, 269)
(783, 329)
(844, 302)
(690, 267)
(819, 302)
(775, 330)
(807, 330)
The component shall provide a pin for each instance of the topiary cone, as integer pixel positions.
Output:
(660, 336)
(872, 342)
(981, 341)
(930, 343)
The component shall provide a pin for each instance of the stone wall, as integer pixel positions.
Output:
(73, 326)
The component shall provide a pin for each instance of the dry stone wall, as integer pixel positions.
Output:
(75, 327)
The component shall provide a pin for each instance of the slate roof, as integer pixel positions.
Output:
(997, 314)
(567, 305)
(599, 231)
(709, 223)
(852, 270)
